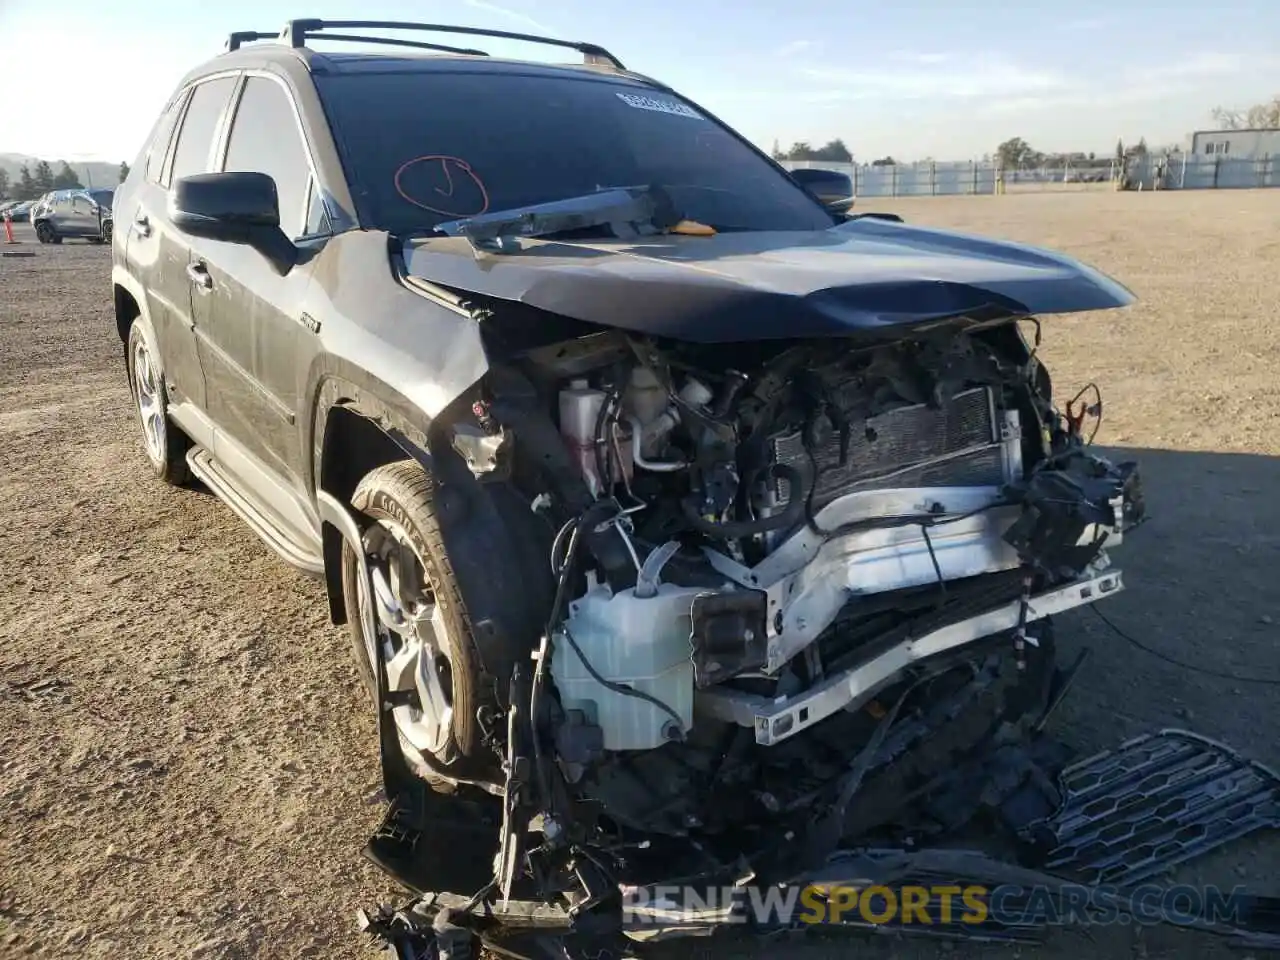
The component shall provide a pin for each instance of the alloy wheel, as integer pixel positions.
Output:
(411, 638)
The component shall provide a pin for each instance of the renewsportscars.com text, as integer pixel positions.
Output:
(939, 905)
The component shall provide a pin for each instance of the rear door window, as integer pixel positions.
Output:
(159, 148)
(199, 127)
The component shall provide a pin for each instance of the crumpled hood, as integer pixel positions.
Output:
(864, 276)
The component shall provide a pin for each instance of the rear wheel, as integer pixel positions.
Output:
(422, 631)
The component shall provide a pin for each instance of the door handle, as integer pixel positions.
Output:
(142, 226)
(199, 275)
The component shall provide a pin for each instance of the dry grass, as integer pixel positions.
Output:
(187, 766)
(1191, 365)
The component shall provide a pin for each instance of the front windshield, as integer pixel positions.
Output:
(425, 147)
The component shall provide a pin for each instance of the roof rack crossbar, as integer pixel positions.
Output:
(235, 40)
(395, 42)
(297, 32)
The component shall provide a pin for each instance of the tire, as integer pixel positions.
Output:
(44, 232)
(401, 494)
(163, 443)
(108, 229)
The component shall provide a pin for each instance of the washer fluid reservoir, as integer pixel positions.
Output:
(639, 642)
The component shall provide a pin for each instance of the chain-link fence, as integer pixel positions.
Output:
(1195, 172)
(1172, 172)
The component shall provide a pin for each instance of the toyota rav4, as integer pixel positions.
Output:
(659, 494)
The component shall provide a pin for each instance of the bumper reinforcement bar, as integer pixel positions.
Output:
(776, 719)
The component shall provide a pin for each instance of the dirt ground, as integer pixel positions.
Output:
(187, 766)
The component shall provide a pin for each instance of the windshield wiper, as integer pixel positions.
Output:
(627, 211)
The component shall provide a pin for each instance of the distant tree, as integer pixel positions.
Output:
(1016, 152)
(43, 176)
(1092, 156)
(1265, 116)
(776, 153)
(1227, 119)
(66, 179)
(1261, 116)
(4, 184)
(834, 152)
(884, 162)
(28, 189)
(1120, 151)
(124, 167)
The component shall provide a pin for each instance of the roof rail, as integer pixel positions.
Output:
(394, 42)
(296, 33)
(240, 37)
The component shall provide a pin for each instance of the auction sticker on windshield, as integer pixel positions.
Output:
(641, 102)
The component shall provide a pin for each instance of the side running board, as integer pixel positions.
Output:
(287, 548)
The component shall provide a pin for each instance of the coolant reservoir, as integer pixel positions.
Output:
(579, 409)
(642, 643)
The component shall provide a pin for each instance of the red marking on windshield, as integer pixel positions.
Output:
(447, 166)
(448, 176)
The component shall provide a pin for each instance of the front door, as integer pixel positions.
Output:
(251, 332)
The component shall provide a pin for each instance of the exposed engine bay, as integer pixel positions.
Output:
(793, 584)
(801, 530)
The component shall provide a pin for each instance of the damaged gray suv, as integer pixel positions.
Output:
(660, 496)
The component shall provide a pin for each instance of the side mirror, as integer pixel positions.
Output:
(234, 208)
(832, 188)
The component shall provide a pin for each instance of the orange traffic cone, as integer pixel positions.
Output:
(8, 229)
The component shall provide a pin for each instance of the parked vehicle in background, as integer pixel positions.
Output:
(16, 210)
(73, 214)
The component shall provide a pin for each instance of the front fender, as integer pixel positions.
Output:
(342, 385)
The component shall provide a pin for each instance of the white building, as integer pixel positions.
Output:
(1236, 144)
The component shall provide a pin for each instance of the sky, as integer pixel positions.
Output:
(948, 79)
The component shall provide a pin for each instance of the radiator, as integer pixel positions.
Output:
(958, 444)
